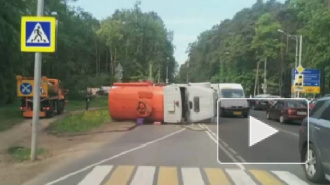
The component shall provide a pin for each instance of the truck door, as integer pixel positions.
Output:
(202, 103)
(172, 104)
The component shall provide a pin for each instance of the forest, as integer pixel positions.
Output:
(231, 50)
(88, 50)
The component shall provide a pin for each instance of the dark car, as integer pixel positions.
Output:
(317, 168)
(260, 102)
(287, 110)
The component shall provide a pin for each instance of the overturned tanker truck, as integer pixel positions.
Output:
(175, 103)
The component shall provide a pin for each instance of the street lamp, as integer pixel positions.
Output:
(295, 37)
(264, 86)
(297, 43)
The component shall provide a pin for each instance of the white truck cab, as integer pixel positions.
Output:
(193, 102)
(232, 100)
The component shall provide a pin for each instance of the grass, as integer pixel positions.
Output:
(81, 104)
(80, 122)
(10, 115)
(22, 154)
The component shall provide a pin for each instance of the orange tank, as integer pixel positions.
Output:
(129, 101)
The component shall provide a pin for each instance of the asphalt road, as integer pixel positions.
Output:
(171, 155)
(279, 148)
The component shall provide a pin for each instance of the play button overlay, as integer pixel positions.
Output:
(259, 131)
(249, 130)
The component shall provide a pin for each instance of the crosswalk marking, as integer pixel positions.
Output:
(144, 175)
(173, 175)
(192, 176)
(240, 177)
(121, 175)
(216, 176)
(289, 178)
(96, 176)
(265, 178)
(168, 176)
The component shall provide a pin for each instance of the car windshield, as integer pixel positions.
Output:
(294, 104)
(232, 93)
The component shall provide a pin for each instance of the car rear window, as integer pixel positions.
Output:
(232, 93)
(296, 105)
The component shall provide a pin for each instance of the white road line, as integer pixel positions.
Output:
(288, 132)
(240, 177)
(114, 157)
(235, 161)
(192, 176)
(241, 158)
(232, 151)
(144, 175)
(96, 176)
(280, 129)
(225, 144)
(289, 178)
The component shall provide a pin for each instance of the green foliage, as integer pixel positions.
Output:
(230, 51)
(80, 104)
(137, 41)
(88, 50)
(80, 122)
(10, 115)
(22, 154)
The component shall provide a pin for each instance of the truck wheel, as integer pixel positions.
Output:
(50, 114)
(60, 107)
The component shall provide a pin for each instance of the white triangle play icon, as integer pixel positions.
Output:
(259, 131)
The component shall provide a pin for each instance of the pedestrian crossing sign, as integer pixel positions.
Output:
(38, 34)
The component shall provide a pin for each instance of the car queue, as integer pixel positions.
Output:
(314, 145)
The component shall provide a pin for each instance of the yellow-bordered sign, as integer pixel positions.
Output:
(307, 89)
(38, 34)
(25, 88)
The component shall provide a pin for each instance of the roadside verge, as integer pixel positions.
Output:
(68, 142)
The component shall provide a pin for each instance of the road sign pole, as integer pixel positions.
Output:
(300, 50)
(36, 95)
(300, 56)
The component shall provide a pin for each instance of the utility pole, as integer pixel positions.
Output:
(159, 74)
(256, 80)
(297, 48)
(166, 74)
(188, 70)
(300, 50)
(167, 70)
(150, 71)
(36, 94)
(265, 77)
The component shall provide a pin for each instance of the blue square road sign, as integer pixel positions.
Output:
(38, 34)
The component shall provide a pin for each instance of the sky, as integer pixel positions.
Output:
(187, 18)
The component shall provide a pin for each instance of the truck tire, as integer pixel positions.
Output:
(60, 107)
(50, 114)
